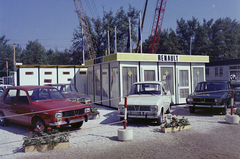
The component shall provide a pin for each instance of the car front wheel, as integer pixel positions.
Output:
(169, 109)
(224, 111)
(160, 119)
(39, 124)
(2, 119)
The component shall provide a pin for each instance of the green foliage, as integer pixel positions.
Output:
(94, 111)
(208, 38)
(98, 28)
(51, 137)
(237, 112)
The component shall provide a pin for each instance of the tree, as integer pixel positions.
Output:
(34, 54)
(98, 28)
(6, 54)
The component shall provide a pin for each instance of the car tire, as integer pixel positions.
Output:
(2, 119)
(39, 123)
(224, 110)
(169, 109)
(77, 125)
(191, 109)
(160, 119)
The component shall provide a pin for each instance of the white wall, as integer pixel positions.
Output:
(28, 76)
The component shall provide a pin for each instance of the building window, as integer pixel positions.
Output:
(47, 81)
(47, 73)
(66, 73)
(207, 72)
(149, 75)
(82, 72)
(28, 73)
(216, 71)
(221, 72)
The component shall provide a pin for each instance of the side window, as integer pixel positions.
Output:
(22, 97)
(11, 95)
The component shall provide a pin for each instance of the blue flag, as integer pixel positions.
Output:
(128, 43)
(139, 29)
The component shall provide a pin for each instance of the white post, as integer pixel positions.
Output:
(130, 35)
(108, 52)
(83, 48)
(115, 40)
(140, 32)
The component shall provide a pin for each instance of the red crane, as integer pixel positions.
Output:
(157, 25)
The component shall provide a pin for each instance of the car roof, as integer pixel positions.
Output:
(157, 82)
(59, 84)
(220, 81)
(29, 87)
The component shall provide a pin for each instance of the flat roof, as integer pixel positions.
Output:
(50, 66)
(148, 58)
(224, 62)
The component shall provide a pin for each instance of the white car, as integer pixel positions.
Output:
(149, 100)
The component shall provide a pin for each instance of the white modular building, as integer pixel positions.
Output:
(110, 77)
(52, 74)
(223, 70)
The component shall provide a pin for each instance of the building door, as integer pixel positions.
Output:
(129, 76)
(197, 75)
(183, 83)
(168, 76)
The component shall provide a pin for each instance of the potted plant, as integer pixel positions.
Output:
(173, 123)
(41, 140)
(94, 113)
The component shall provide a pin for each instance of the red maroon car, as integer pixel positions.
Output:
(41, 106)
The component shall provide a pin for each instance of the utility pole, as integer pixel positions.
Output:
(14, 59)
(190, 46)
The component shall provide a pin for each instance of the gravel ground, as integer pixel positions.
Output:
(209, 137)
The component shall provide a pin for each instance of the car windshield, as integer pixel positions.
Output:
(146, 88)
(210, 86)
(44, 94)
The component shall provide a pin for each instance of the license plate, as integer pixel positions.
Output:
(136, 113)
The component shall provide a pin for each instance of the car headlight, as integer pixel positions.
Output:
(218, 100)
(84, 100)
(88, 101)
(189, 99)
(154, 108)
(87, 110)
(58, 115)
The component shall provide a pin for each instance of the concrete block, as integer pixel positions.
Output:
(125, 134)
(232, 119)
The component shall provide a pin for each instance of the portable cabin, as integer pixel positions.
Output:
(109, 78)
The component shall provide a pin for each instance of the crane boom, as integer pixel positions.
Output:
(88, 45)
(142, 24)
(157, 25)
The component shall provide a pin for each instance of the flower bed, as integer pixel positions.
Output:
(94, 113)
(41, 140)
(172, 123)
(237, 112)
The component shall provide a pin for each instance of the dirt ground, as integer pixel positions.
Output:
(209, 137)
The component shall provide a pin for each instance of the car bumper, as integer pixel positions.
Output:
(68, 122)
(146, 116)
(205, 106)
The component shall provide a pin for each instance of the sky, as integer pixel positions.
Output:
(52, 22)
